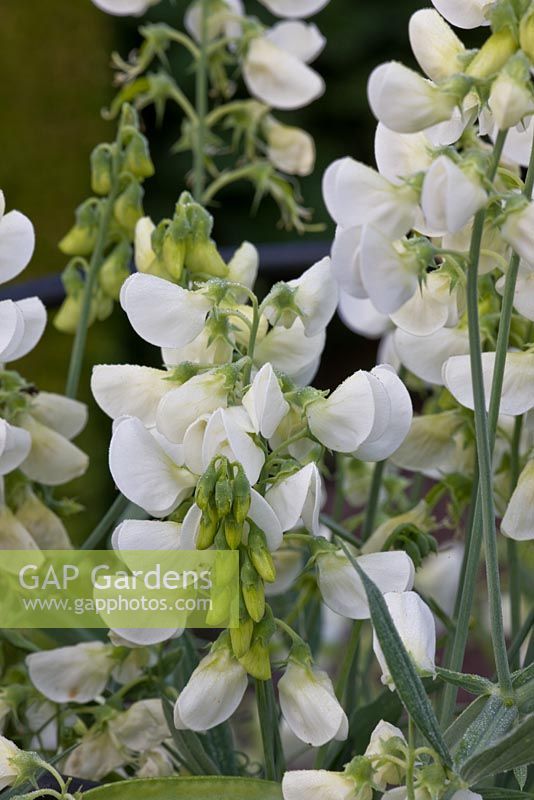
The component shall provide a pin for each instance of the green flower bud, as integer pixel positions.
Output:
(81, 239)
(526, 33)
(128, 207)
(223, 496)
(241, 637)
(101, 169)
(241, 503)
(206, 487)
(174, 246)
(207, 530)
(493, 54)
(129, 117)
(137, 157)
(260, 555)
(233, 532)
(202, 256)
(115, 269)
(257, 661)
(252, 589)
(68, 316)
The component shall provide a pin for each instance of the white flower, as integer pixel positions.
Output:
(418, 515)
(133, 534)
(212, 693)
(524, 292)
(9, 771)
(389, 432)
(309, 704)
(517, 395)
(294, 8)
(74, 674)
(517, 522)
(384, 772)
(305, 41)
(22, 324)
(450, 196)
(518, 145)
(121, 8)
(148, 471)
(291, 351)
(161, 312)
(41, 716)
(518, 231)
(342, 589)
(466, 794)
(355, 194)
(130, 390)
(510, 100)
(17, 242)
(434, 305)
(224, 435)
(389, 270)
(298, 497)
(15, 445)
(288, 565)
(279, 78)
(415, 625)
(223, 19)
(346, 263)
(406, 102)
(98, 754)
(42, 524)
(426, 355)
(180, 407)
(65, 416)
(439, 575)
(243, 267)
(142, 726)
(13, 535)
(265, 402)
(289, 149)
(53, 459)
(435, 45)
(399, 155)
(362, 317)
(316, 296)
(155, 763)
(435, 446)
(317, 784)
(463, 13)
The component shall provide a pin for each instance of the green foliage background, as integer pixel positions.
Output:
(55, 78)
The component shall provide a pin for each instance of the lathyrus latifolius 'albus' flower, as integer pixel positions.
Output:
(341, 587)
(130, 390)
(463, 13)
(21, 327)
(289, 149)
(308, 701)
(294, 9)
(517, 395)
(451, 196)
(435, 45)
(213, 692)
(10, 766)
(415, 625)
(123, 8)
(74, 674)
(517, 521)
(265, 402)
(518, 230)
(437, 303)
(291, 351)
(438, 577)
(399, 155)
(298, 498)
(13, 534)
(243, 268)
(44, 526)
(223, 19)
(511, 99)
(320, 784)
(426, 355)
(17, 242)
(155, 763)
(15, 445)
(436, 446)
(386, 739)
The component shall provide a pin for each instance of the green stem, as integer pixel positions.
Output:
(372, 505)
(339, 530)
(520, 637)
(348, 660)
(514, 571)
(199, 172)
(410, 763)
(97, 259)
(226, 178)
(272, 750)
(252, 339)
(118, 507)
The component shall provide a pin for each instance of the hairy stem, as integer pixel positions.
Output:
(199, 172)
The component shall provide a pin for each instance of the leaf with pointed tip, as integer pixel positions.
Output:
(514, 749)
(176, 788)
(473, 684)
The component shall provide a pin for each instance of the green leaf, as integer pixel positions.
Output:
(407, 682)
(515, 749)
(189, 745)
(490, 725)
(504, 794)
(473, 684)
(221, 788)
(457, 729)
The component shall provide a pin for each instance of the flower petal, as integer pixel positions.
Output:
(305, 41)
(294, 8)
(71, 674)
(518, 386)
(63, 414)
(399, 420)
(15, 445)
(52, 460)
(265, 402)
(130, 390)
(426, 355)
(34, 323)
(17, 243)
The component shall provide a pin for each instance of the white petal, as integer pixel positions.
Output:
(15, 444)
(317, 784)
(399, 155)
(518, 145)
(52, 460)
(71, 674)
(46, 529)
(289, 350)
(130, 390)
(278, 78)
(309, 705)
(14, 536)
(463, 13)
(265, 402)
(161, 312)
(432, 307)
(266, 519)
(223, 436)
(11, 326)
(450, 198)
(343, 421)
(144, 472)
(362, 317)
(17, 243)
(192, 445)
(305, 41)
(34, 318)
(346, 261)
(296, 497)
(435, 46)
(433, 446)
(316, 296)
(146, 535)
(388, 282)
(439, 575)
(517, 522)
(518, 386)
(121, 8)
(64, 415)
(184, 404)
(399, 420)
(243, 266)
(294, 8)
(145, 637)
(426, 355)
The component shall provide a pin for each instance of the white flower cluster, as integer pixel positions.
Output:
(36, 428)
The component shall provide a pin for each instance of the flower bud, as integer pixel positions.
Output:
(202, 254)
(115, 269)
(206, 487)
(241, 503)
(169, 241)
(137, 157)
(493, 54)
(233, 532)
(257, 661)
(253, 590)
(386, 740)
(207, 530)
(81, 238)
(241, 637)
(511, 97)
(101, 169)
(260, 554)
(223, 496)
(13, 768)
(289, 149)
(128, 207)
(68, 316)
(526, 33)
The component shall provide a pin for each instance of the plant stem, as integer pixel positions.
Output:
(514, 572)
(226, 178)
(97, 258)
(199, 172)
(350, 655)
(339, 530)
(117, 508)
(372, 505)
(269, 730)
(410, 763)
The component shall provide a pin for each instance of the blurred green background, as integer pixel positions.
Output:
(55, 80)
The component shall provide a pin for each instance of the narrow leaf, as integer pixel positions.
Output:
(189, 745)
(515, 749)
(473, 684)
(457, 729)
(492, 723)
(220, 788)
(407, 682)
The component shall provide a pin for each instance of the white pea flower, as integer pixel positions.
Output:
(123, 8)
(223, 19)
(180, 407)
(279, 78)
(434, 305)
(291, 351)
(289, 149)
(356, 195)
(98, 754)
(438, 577)
(225, 435)
(155, 763)
(298, 497)
(399, 155)
(52, 459)
(74, 674)
(451, 195)
(10, 770)
(463, 13)
(305, 41)
(288, 565)
(435, 45)
(390, 270)
(415, 625)
(133, 534)
(518, 145)
(265, 402)
(243, 267)
(212, 693)
(524, 291)
(294, 9)
(64, 415)
(419, 516)
(22, 324)
(518, 231)
(15, 445)
(511, 98)
(312, 297)
(161, 312)
(309, 704)
(385, 771)
(346, 262)
(405, 102)
(17, 242)
(435, 446)
(317, 784)
(517, 522)
(517, 395)
(41, 717)
(130, 390)
(342, 589)
(142, 726)
(426, 355)
(149, 471)
(45, 527)
(13, 534)
(466, 794)
(361, 316)
(392, 422)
